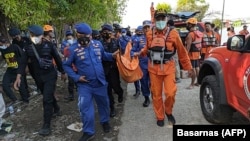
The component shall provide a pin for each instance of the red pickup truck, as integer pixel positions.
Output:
(225, 81)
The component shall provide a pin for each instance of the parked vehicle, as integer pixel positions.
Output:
(225, 81)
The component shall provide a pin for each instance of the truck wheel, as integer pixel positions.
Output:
(212, 110)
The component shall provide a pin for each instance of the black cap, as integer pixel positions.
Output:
(160, 13)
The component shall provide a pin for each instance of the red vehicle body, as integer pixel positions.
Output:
(225, 81)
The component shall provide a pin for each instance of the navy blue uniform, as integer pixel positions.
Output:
(45, 77)
(136, 83)
(139, 42)
(88, 62)
(112, 72)
(123, 40)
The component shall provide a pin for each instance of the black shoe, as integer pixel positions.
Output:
(45, 130)
(106, 127)
(160, 123)
(146, 102)
(112, 112)
(171, 119)
(136, 95)
(86, 137)
(120, 98)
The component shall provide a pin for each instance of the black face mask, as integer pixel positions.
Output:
(188, 27)
(106, 35)
(84, 41)
(97, 37)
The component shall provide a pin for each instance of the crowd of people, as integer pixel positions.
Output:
(87, 59)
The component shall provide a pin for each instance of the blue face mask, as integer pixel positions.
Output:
(160, 24)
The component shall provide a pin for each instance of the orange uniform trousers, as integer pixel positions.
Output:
(165, 83)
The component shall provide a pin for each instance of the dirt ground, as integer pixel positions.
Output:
(28, 120)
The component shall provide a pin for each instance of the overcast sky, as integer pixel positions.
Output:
(138, 10)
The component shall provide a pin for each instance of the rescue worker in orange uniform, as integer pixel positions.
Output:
(209, 40)
(161, 45)
(193, 46)
(244, 31)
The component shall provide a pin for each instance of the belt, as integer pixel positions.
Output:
(164, 61)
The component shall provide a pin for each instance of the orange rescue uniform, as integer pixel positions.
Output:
(206, 49)
(164, 78)
(193, 55)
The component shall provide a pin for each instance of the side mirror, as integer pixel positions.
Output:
(236, 43)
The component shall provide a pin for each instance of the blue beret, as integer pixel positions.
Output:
(36, 30)
(107, 27)
(69, 32)
(146, 23)
(139, 28)
(124, 30)
(83, 28)
(14, 31)
(95, 32)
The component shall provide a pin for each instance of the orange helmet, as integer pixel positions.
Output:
(47, 28)
(192, 21)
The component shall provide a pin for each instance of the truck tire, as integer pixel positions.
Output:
(212, 110)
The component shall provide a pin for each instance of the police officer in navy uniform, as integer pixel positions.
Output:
(136, 83)
(45, 73)
(110, 68)
(87, 55)
(66, 44)
(123, 40)
(139, 42)
(96, 35)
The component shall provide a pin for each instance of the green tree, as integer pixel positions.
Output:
(217, 22)
(21, 13)
(193, 5)
(164, 6)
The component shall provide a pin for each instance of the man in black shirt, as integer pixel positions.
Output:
(17, 39)
(11, 53)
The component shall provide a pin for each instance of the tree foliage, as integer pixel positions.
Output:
(164, 7)
(217, 23)
(21, 13)
(193, 5)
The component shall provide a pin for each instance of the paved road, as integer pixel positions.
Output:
(139, 123)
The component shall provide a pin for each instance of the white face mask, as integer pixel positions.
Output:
(123, 34)
(70, 41)
(3, 47)
(36, 39)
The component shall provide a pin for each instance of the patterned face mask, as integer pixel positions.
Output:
(84, 41)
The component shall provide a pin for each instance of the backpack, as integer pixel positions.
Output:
(158, 52)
